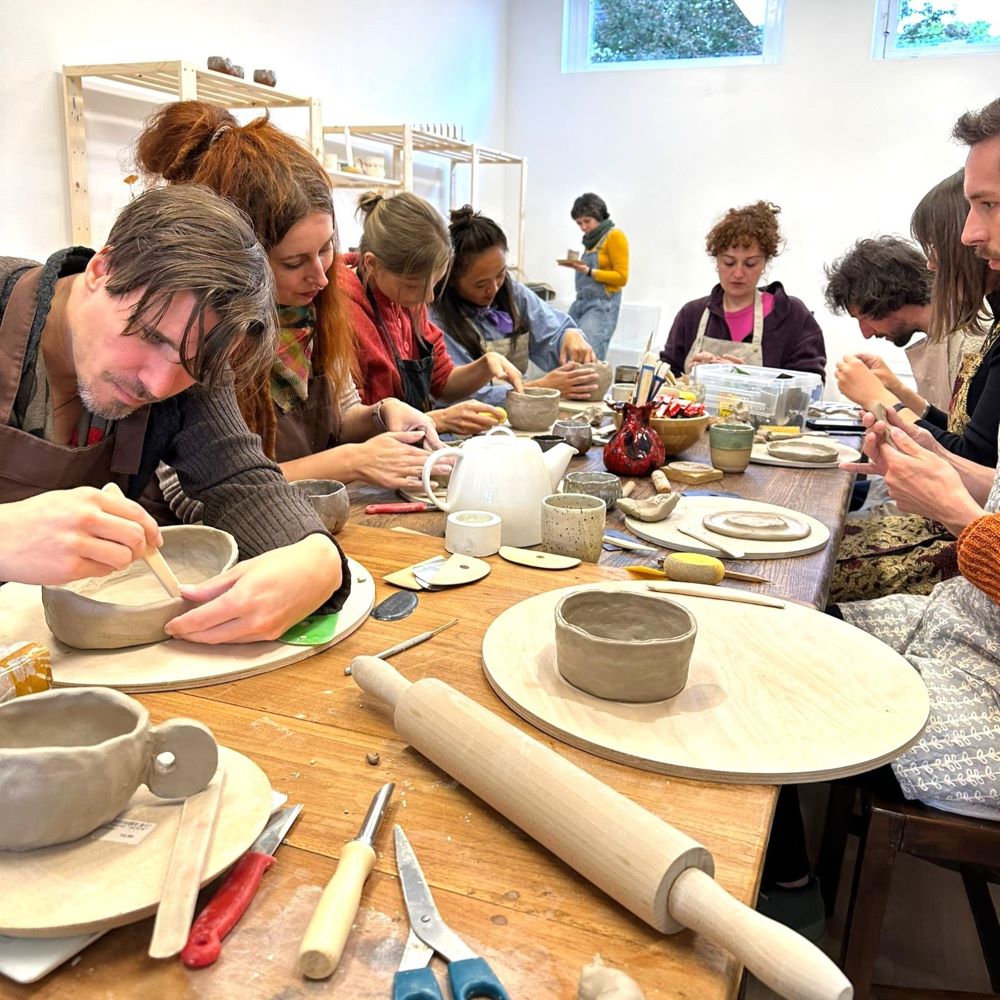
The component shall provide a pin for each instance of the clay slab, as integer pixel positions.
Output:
(767, 527)
(176, 664)
(845, 453)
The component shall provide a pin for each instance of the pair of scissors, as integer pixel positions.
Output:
(469, 975)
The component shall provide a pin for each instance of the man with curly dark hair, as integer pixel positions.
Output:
(739, 321)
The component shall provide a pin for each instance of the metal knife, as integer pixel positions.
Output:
(331, 923)
(240, 886)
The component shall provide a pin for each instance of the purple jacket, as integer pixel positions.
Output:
(792, 337)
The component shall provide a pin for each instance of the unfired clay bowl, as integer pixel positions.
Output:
(605, 485)
(535, 409)
(130, 607)
(624, 646)
(329, 499)
(70, 760)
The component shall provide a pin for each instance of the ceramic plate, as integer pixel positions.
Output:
(762, 456)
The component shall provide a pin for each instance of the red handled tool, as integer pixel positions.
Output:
(414, 507)
(225, 908)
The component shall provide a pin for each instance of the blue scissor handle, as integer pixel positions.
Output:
(416, 984)
(473, 977)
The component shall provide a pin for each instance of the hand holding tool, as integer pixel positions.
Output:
(468, 974)
(225, 908)
(333, 918)
(152, 557)
(647, 865)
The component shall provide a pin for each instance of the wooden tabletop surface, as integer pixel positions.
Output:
(311, 728)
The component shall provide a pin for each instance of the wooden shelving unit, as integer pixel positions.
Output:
(181, 80)
(405, 140)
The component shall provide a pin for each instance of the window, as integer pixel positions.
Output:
(653, 34)
(908, 28)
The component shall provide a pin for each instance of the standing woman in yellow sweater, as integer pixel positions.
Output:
(601, 273)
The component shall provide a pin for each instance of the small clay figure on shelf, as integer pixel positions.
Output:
(265, 76)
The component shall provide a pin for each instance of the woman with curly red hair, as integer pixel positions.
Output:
(738, 321)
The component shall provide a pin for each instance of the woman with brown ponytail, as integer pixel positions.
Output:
(307, 409)
(404, 253)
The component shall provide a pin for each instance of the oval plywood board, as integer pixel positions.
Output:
(173, 664)
(773, 695)
(690, 512)
(93, 884)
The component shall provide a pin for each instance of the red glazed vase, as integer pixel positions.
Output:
(636, 449)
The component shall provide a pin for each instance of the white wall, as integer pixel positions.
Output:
(844, 144)
(380, 61)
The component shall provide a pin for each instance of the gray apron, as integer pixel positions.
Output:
(749, 352)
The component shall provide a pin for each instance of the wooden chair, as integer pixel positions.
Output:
(888, 825)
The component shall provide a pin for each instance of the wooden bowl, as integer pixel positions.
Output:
(677, 434)
(129, 607)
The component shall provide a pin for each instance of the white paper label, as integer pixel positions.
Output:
(124, 831)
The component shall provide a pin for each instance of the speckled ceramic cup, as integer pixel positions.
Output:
(573, 525)
(624, 646)
(605, 485)
(70, 760)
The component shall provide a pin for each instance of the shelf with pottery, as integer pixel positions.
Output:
(177, 78)
(403, 141)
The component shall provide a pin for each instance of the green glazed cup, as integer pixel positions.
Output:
(730, 446)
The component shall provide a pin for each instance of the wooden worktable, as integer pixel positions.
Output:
(536, 921)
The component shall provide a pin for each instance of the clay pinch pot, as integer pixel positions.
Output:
(535, 409)
(71, 759)
(604, 374)
(129, 607)
(604, 485)
(329, 499)
(576, 432)
(652, 509)
(624, 646)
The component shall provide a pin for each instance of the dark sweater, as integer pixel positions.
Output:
(792, 337)
(978, 442)
(201, 433)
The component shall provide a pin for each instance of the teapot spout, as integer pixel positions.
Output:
(556, 461)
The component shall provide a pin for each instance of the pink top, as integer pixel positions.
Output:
(740, 323)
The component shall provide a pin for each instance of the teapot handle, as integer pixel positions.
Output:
(432, 459)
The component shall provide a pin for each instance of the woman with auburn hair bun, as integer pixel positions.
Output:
(601, 273)
(738, 321)
(482, 308)
(404, 253)
(306, 407)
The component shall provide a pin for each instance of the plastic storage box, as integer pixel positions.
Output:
(774, 396)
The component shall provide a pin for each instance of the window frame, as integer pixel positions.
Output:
(884, 39)
(577, 27)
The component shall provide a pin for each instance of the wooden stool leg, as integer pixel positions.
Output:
(835, 831)
(977, 891)
(869, 895)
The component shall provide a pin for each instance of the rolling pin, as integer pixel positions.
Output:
(647, 865)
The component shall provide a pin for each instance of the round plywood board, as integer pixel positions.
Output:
(103, 880)
(173, 664)
(690, 512)
(845, 453)
(773, 695)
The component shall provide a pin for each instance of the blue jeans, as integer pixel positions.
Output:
(597, 317)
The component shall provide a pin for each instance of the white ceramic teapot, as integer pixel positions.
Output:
(505, 474)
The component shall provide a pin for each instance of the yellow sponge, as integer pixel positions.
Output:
(690, 567)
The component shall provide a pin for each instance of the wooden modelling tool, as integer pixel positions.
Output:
(333, 918)
(184, 873)
(716, 593)
(725, 548)
(153, 558)
(651, 868)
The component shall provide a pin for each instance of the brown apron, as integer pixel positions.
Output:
(516, 353)
(30, 465)
(312, 425)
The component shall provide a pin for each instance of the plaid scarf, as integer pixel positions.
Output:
(292, 366)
